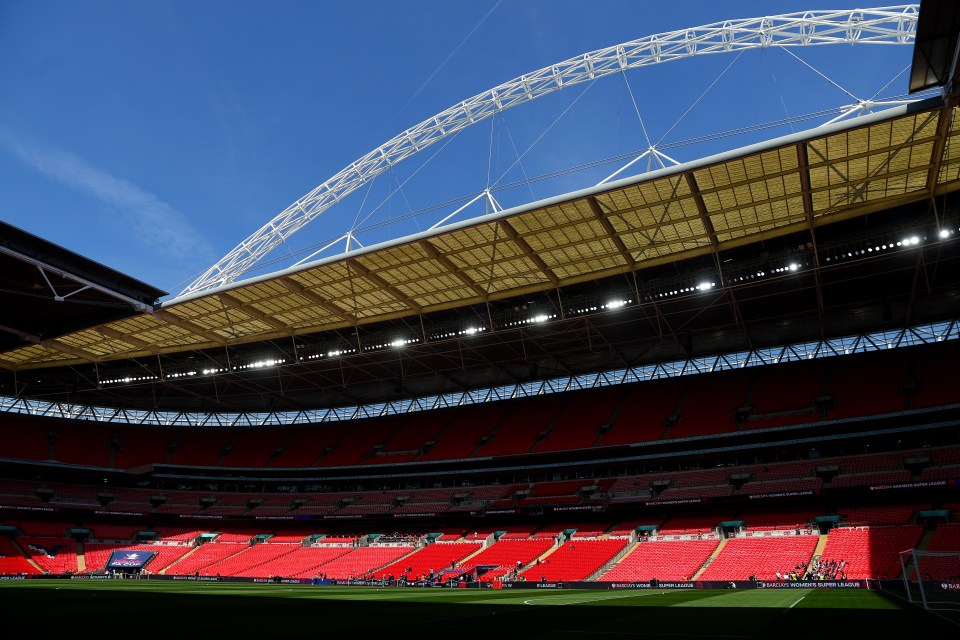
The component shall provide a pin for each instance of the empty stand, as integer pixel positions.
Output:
(363, 561)
(441, 559)
(200, 448)
(576, 560)
(202, 557)
(859, 392)
(692, 524)
(97, 555)
(871, 552)
(136, 446)
(577, 426)
(24, 438)
(310, 444)
(464, 431)
(760, 557)
(506, 556)
(82, 444)
(255, 448)
(53, 555)
(256, 561)
(671, 560)
(945, 538)
(708, 403)
(785, 398)
(517, 431)
(643, 411)
(12, 561)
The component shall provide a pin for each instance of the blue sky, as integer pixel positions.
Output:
(155, 136)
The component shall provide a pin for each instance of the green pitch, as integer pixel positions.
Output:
(162, 609)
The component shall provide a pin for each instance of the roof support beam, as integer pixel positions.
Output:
(109, 332)
(252, 311)
(370, 276)
(807, 194)
(528, 251)
(186, 325)
(56, 345)
(936, 159)
(447, 264)
(608, 228)
(293, 286)
(715, 244)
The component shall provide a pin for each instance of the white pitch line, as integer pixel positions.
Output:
(797, 602)
(566, 602)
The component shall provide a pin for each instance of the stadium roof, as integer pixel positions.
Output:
(702, 208)
(53, 291)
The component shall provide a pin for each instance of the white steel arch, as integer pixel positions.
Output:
(885, 25)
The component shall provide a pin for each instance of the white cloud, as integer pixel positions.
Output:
(153, 222)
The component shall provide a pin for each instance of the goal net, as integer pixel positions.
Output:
(932, 578)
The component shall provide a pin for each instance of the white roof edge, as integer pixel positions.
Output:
(757, 147)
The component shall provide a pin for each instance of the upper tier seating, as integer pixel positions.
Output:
(517, 431)
(642, 413)
(577, 425)
(786, 398)
(670, 408)
(708, 403)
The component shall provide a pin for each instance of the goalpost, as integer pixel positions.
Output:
(932, 578)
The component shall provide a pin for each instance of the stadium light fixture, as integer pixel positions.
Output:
(944, 233)
(616, 304)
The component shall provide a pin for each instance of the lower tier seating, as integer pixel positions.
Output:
(673, 561)
(441, 559)
(506, 557)
(575, 560)
(363, 561)
(870, 552)
(741, 558)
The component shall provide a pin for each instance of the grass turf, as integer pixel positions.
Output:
(164, 609)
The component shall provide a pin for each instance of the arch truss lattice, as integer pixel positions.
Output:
(882, 26)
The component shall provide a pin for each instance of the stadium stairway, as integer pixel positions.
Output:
(81, 558)
(26, 555)
(178, 560)
(466, 559)
(543, 556)
(710, 559)
(818, 550)
(612, 562)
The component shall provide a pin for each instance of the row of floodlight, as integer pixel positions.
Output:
(194, 372)
(612, 304)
